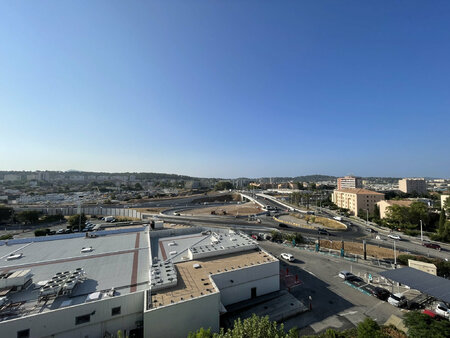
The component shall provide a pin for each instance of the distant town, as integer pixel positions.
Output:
(160, 255)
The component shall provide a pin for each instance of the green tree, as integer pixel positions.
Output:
(441, 228)
(397, 216)
(41, 232)
(5, 213)
(417, 211)
(369, 328)
(276, 235)
(223, 185)
(256, 327)
(29, 216)
(376, 213)
(74, 220)
(201, 333)
(138, 186)
(420, 325)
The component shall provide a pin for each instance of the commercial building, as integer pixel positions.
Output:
(356, 199)
(412, 185)
(384, 205)
(161, 283)
(349, 182)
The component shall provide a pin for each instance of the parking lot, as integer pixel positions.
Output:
(313, 279)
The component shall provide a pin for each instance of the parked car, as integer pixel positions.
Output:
(354, 279)
(431, 314)
(397, 299)
(282, 225)
(287, 257)
(60, 231)
(442, 310)
(394, 236)
(345, 274)
(432, 246)
(380, 293)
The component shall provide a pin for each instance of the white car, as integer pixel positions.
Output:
(394, 236)
(345, 274)
(397, 299)
(442, 310)
(287, 257)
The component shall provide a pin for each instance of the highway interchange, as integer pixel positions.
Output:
(356, 229)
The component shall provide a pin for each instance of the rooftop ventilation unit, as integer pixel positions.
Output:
(15, 280)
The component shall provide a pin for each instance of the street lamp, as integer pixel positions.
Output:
(395, 256)
(367, 216)
(421, 232)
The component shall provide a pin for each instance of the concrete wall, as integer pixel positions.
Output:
(236, 285)
(178, 319)
(68, 211)
(61, 322)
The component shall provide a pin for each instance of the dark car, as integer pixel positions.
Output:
(380, 293)
(323, 232)
(282, 225)
(354, 279)
(371, 230)
(432, 246)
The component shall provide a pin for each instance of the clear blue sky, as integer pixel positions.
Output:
(226, 88)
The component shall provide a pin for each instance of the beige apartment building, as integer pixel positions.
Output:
(349, 182)
(384, 205)
(354, 199)
(411, 185)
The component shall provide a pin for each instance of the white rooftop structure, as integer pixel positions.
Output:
(161, 282)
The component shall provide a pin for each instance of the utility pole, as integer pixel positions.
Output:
(367, 216)
(79, 216)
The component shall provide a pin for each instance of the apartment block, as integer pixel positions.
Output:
(355, 199)
(349, 182)
(411, 185)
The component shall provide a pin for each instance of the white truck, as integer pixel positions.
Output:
(109, 219)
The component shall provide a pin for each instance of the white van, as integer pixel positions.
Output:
(397, 299)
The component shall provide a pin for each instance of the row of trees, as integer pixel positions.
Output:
(409, 218)
(418, 324)
(8, 215)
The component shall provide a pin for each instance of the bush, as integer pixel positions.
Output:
(5, 237)
(421, 325)
(41, 232)
(412, 232)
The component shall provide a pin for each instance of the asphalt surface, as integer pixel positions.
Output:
(334, 303)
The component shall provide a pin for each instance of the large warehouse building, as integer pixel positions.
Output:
(162, 283)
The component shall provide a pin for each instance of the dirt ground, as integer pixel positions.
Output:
(232, 210)
(326, 222)
(357, 248)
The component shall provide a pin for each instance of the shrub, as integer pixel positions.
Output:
(41, 232)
